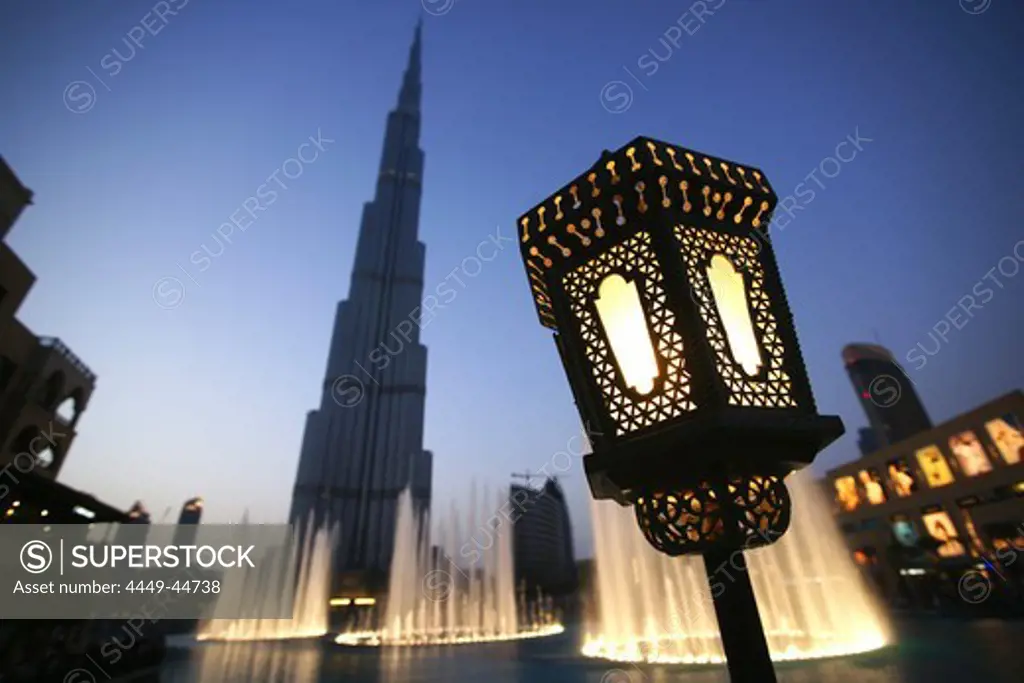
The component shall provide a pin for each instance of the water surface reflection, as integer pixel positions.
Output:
(926, 651)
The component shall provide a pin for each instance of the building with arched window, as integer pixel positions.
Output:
(44, 387)
(942, 502)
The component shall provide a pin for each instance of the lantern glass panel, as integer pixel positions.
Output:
(730, 295)
(622, 316)
(630, 411)
(771, 387)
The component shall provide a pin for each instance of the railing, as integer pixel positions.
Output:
(76, 362)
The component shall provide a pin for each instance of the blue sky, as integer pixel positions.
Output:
(209, 398)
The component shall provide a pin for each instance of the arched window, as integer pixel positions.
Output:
(45, 457)
(30, 442)
(52, 390)
(67, 411)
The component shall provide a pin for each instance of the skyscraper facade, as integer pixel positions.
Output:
(889, 399)
(136, 529)
(364, 444)
(188, 522)
(542, 549)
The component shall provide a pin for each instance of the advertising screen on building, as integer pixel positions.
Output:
(873, 489)
(1014, 542)
(1007, 435)
(940, 527)
(904, 531)
(969, 454)
(977, 545)
(846, 493)
(933, 464)
(901, 478)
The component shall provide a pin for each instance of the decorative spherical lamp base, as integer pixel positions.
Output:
(731, 513)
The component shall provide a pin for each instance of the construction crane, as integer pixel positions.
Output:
(528, 477)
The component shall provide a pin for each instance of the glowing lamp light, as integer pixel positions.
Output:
(730, 297)
(359, 602)
(622, 317)
(655, 271)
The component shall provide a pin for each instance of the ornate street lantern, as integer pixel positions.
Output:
(655, 271)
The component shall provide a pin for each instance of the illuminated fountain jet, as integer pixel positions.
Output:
(301, 579)
(434, 601)
(656, 608)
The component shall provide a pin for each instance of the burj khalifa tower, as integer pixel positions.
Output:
(364, 444)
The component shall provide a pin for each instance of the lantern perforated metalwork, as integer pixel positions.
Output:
(655, 271)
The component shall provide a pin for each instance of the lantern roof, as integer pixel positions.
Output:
(593, 211)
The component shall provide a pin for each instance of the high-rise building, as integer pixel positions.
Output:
(886, 393)
(364, 444)
(138, 514)
(867, 441)
(542, 549)
(188, 520)
(136, 528)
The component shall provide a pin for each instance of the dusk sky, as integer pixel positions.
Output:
(135, 166)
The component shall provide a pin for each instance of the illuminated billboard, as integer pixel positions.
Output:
(1013, 542)
(904, 531)
(846, 493)
(901, 478)
(1005, 433)
(940, 527)
(969, 454)
(872, 484)
(933, 464)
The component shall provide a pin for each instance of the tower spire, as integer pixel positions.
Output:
(409, 97)
(355, 455)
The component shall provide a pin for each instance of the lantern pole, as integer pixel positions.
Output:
(739, 623)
